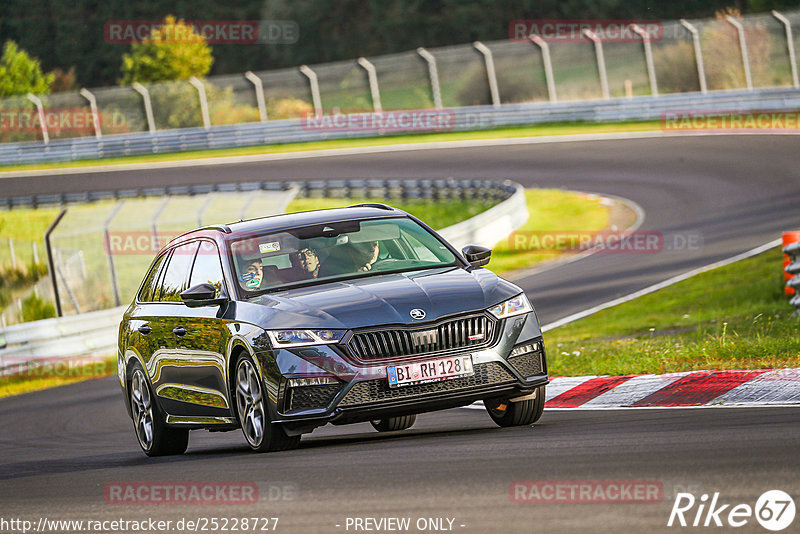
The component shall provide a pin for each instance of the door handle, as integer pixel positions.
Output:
(179, 331)
(145, 329)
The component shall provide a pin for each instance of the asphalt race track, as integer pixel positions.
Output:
(59, 449)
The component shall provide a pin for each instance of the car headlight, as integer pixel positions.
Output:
(302, 338)
(516, 306)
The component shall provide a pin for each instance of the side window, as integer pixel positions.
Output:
(151, 281)
(207, 268)
(177, 272)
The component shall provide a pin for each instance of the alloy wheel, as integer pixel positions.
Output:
(142, 407)
(250, 402)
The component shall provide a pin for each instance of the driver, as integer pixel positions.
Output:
(367, 255)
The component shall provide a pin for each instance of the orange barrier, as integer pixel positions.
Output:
(788, 239)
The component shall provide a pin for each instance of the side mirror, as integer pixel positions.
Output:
(202, 295)
(477, 256)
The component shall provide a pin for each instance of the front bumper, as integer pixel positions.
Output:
(362, 392)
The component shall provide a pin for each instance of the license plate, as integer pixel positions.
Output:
(429, 371)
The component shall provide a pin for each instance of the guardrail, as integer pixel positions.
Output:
(433, 189)
(793, 251)
(453, 119)
(95, 333)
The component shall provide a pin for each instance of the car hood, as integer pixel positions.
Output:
(381, 299)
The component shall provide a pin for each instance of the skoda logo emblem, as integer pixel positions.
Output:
(416, 313)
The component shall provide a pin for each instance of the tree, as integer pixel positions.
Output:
(21, 74)
(172, 52)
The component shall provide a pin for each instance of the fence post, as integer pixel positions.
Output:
(648, 57)
(112, 270)
(698, 54)
(148, 106)
(201, 211)
(490, 72)
(40, 110)
(95, 115)
(259, 87)
(601, 60)
(314, 82)
(246, 206)
(158, 213)
(790, 45)
(51, 261)
(548, 65)
(374, 90)
(70, 292)
(11, 251)
(743, 47)
(433, 74)
(201, 94)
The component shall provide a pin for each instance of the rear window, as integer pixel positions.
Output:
(151, 280)
(176, 276)
(336, 251)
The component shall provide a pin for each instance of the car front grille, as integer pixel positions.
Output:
(529, 364)
(452, 334)
(376, 391)
(308, 397)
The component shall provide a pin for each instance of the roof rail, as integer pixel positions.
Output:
(373, 205)
(218, 227)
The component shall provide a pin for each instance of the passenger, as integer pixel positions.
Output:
(252, 274)
(305, 264)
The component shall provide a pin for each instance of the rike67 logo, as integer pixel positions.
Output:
(774, 510)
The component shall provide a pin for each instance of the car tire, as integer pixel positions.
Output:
(251, 408)
(391, 424)
(506, 413)
(154, 436)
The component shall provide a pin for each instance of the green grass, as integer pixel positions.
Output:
(14, 282)
(25, 227)
(551, 210)
(500, 133)
(734, 317)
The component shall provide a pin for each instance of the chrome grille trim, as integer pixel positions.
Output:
(396, 342)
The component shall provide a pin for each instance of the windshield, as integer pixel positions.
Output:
(335, 251)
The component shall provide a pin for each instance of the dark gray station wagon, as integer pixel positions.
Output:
(282, 324)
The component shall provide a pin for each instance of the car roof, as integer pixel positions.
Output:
(275, 223)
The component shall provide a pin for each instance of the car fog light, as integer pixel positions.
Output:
(524, 349)
(311, 381)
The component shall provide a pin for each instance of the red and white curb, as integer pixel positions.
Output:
(759, 387)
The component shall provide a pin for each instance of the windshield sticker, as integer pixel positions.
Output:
(246, 277)
(253, 283)
(272, 246)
